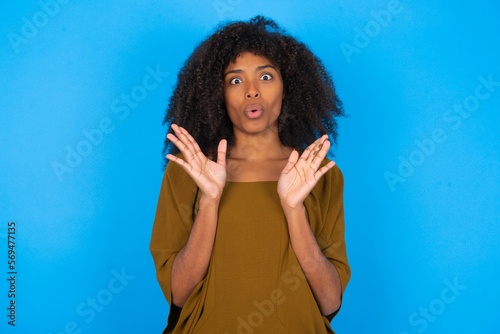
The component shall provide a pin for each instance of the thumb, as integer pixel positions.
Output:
(221, 152)
(292, 160)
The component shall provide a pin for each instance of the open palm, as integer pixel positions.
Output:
(208, 175)
(300, 175)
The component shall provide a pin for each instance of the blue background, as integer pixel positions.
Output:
(66, 69)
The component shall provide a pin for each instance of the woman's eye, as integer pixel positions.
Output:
(235, 81)
(266, 77)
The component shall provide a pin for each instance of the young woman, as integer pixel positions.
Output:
(249, 230)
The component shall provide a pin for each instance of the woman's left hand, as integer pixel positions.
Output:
(300, 175)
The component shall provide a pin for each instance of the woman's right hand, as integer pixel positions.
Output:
(208, 175)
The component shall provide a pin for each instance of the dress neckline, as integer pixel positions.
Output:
(251, 182)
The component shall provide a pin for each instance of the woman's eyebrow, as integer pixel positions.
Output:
(232, 71)
(258, 68)
(262, 67)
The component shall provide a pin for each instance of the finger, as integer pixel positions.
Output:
(316, 163)
(308, 151)
(188, 136)
(315, 148)
(292, 160)
(185, 143)
(221, 152)
(320, 172)
(178, 138)
(180, 145)
(184, 165)
(176, 129)
(184, 136)
(186, 152)
(193, 143)
(321, 152)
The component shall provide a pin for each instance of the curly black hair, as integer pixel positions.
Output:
(310, 103)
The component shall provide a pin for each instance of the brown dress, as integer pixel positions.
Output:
(254, 282)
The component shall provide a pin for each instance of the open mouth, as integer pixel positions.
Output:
(253, 111)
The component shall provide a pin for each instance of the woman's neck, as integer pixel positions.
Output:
(259, 147)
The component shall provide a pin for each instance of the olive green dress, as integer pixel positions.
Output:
(254, 282)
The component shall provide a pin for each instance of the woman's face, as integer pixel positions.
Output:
(253, 91)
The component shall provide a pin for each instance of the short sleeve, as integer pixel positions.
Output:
(172, 224)
(325, 208)
(334, 247)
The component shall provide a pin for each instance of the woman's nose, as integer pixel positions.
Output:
(252, 92)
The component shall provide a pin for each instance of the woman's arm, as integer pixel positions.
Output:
(191, 263)
(298, 178)
(321, 274)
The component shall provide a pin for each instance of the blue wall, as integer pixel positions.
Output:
(83, 89)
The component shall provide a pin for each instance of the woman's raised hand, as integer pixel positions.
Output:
(300, 175)
(208, 175)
